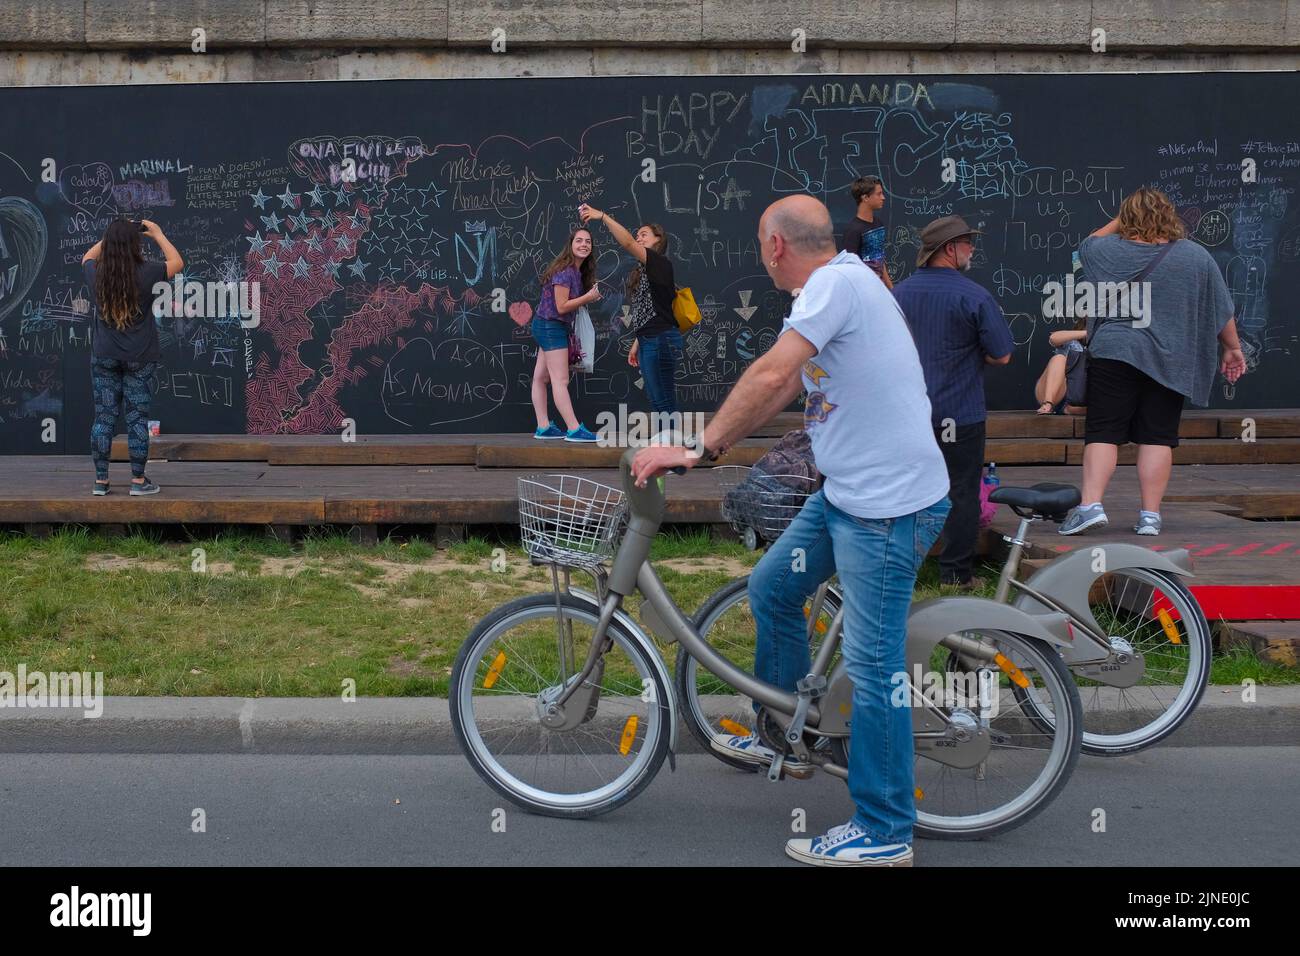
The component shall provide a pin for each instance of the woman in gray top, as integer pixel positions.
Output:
(1160, 326)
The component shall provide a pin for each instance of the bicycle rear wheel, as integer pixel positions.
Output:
(1154, 615)
(515, 662)
(1028, 762)
(724, 620)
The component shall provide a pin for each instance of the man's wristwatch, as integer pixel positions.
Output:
(697, 446)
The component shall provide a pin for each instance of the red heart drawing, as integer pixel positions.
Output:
(520, 313)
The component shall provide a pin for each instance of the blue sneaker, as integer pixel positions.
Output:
(848, 845)
(580, 434)
(100, 487)
(549, 432)
(752, 750)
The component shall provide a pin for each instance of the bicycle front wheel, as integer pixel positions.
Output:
(598, 754)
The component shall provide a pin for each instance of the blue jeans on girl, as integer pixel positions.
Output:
(658, 357)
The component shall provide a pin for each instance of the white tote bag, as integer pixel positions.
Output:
(586, 333)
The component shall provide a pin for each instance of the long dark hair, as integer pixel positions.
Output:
(587, 270)
(660, 246)
(115, 288)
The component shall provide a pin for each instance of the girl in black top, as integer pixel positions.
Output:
(124, 353)
(650, 289)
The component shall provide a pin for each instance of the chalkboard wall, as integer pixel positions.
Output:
(377, 298)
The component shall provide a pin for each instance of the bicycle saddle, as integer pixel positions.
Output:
(1047, 499)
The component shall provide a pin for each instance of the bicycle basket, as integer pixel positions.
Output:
(567, 520)
(767, 503)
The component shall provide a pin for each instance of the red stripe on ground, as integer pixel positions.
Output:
(1212, 549)
(1061, 547)
(1278, 548)
(1154, 547)
(1245, 549)
(1241, 602)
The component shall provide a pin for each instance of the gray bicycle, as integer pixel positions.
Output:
(562, 703)
(1140, 650)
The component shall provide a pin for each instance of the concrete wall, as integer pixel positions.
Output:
(57, 42)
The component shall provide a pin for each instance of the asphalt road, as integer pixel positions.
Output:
(1173, 806)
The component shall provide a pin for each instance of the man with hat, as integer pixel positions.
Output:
(958, 329)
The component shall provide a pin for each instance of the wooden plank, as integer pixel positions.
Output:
(162, 509)
(1188, 427)
(1028, 425)
(560, 455)
(1213, 451)
(373, 453)
(1269, 422)
(1024, 451)
(199, 448)
(1274, 642)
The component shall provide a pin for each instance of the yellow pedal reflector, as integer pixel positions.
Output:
(1012, 671)
(495, 670)
(920, 794)
(1171, 629)
(629, 735)
(731, 727)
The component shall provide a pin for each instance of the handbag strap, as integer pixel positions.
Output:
(1155, 260)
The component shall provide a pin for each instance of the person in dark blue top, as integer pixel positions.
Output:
(958, 329)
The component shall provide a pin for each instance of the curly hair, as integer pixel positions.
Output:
(1148, 215)
(587, 270)
(115, 286)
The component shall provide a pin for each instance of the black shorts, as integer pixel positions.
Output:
(1127, 405)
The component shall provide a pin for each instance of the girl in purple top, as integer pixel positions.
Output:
(568, 283)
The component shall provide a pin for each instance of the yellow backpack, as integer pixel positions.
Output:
(685, 311)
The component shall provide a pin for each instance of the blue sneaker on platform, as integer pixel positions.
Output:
(549, 432)
(580, 434)
(848, 845)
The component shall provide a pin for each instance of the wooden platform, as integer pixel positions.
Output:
(1231, 512)
(1014, 438)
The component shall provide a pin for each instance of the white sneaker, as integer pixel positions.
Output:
(849, 845)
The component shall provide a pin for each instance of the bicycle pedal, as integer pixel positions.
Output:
(802, 774)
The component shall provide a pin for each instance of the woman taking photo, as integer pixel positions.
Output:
(568, 283)
(1142, 367)
(124, 346)
(650, 293)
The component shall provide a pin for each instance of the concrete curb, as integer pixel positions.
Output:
(422, 725)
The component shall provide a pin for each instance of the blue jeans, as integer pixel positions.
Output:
(877, 560)
(658, 357)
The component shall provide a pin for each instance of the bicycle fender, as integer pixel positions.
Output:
(928, 623)
(1069, 578)
(931, 621)
(656, 660)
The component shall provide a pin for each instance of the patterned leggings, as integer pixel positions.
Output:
(121, 386)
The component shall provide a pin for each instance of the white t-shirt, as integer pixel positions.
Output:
(867, 413)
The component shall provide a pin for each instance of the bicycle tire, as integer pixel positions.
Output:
(486, 764)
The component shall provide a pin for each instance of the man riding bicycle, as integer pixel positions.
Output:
(882, 507)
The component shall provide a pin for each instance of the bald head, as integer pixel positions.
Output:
(803, 222)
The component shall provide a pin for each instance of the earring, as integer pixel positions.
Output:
(773, 263)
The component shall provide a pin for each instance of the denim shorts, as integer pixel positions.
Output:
(550, 334)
